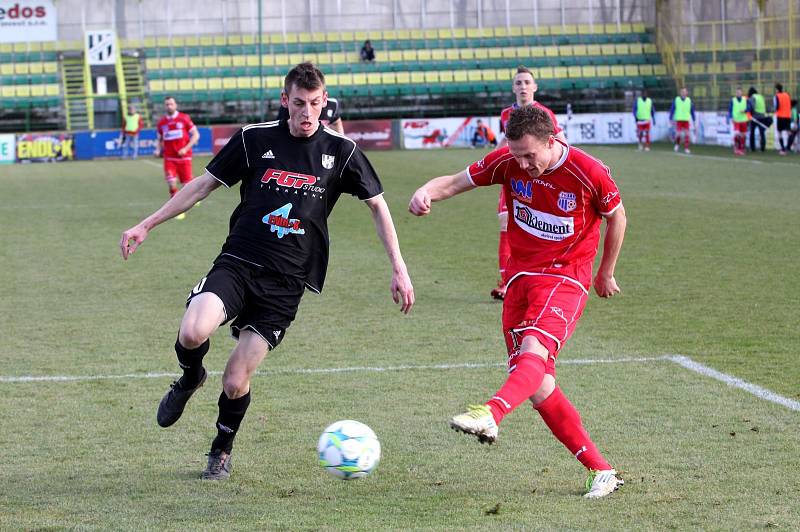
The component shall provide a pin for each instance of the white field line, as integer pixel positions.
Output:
(680, 360)
(151, 163)
(758, 391)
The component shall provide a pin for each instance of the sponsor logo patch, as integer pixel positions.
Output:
(288, 179)
(280, 223)
(542, 224)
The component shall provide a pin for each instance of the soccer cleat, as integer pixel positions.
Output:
(181, 216)
(174, 401)
(477, 421)
(602, 483)
(219, 466)
(499, 293)
(677, 147)
(647, 148)
(687, 151)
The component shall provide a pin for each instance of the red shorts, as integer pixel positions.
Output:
(682, 125)
(740, 127)
(544, 306)
(643, 126)
(178, 169)
(501, 202)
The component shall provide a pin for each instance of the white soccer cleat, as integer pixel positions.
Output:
(677, 147)
(478, 421)
(687, 151)
(602, 483)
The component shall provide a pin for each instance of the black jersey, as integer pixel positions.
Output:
(289, 186)
(329, 114)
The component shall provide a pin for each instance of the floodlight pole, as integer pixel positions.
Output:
(260, 66)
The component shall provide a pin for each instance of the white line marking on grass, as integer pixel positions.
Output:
(758, 391)
(151, 163)
(680, 360)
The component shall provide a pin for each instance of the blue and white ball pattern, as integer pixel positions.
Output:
(349, 449)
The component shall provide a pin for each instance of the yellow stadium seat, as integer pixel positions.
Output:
(557, 30)
(446, 76)
(52, 89)
(219, 40)
(638, 27)
(697, 68)
(248, 39)
(445, 33)
(510, 53)
(495, 53)
(238, 60)
(170, 85)
(617, 71)
(7, 91)
(729, 67)
(7, 69)
(608, 49)
(409, 55)
(206, 40)
(345, 36)
(200, 84)
(501, 32)
(579, 50)
(635, 48)
(166, 63)
(593, 49)
(515, 31)
(423, 55)
(6, 48)
(454, 54)
(196, 62)
(20, 47)
(546, 73)
(178, 41)
(570, 29)
(459, 33)
(388, 78)
(650, 49)
(36, 68)
(418, 78)
(296, 59)
(632, 70)
(438, 55)
(21, 68)
(537, 51)
(374, 78)
(431, 35)
(611, 28)
(151, 63)
(481, 53)
(338, 58)
(551, 51)
(281, 59)
(359, 79)
(474, 75)
(185, 85)
(181, 62)
(360, 36)
(647, 70)
(403, 78)
(565, 50)
(574, 71)
(625, 27)
(274, 82)
(209, 61)
(621, 48)
(585, 29)
(192, 40)
(246, 82)
(395, 56)
(403, 35)
(324, 58)
(50, 46)
(50, 67)
(251, 60)
(37, 90)
(290, 38)
(228, 83)
(156, 85)
(560, 72)
(490, 75)
(661, 70)
(588, 71)
(214, 84)
(460, 76)
(389, 35)
(603, 71)
(473, 33)
(162, 42)
(225, 60)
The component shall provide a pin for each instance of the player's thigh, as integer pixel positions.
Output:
(204, 314)
(185, 171)
(245, 358)
(170, 170)
(215, 299)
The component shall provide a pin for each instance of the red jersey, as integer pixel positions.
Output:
(506, 114)
(174, 132)
(556, 216)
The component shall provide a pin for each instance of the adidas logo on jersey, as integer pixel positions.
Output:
(268, 155)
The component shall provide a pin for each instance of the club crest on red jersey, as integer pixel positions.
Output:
(522, 189)
(566, 201)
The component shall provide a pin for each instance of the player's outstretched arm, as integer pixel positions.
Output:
(438, 189)
(604, 283)
(402, 290)
(194, 191)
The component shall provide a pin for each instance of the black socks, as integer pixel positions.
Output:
(191, 361)
(231, 414)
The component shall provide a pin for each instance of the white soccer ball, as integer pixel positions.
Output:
(348, 449)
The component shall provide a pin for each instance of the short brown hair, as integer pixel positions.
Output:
(529, 120)
(306, 76)
(522, 69)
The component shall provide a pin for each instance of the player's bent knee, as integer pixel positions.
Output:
(236, 386)
(545, 390)
(191, 337)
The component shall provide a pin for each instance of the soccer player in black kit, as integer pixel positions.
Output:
(291, 173)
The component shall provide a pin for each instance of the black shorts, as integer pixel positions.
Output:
(255, 298)
(784, 124)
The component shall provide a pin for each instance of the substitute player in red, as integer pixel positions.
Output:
(524, 88)
(682, 114)
(558, 196)
(177, 135)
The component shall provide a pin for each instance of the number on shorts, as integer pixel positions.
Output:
(199, 287)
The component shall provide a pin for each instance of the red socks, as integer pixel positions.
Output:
(565, 423)
(521, 384)
(503, 254)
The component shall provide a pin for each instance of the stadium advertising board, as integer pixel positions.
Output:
(45, 147)
(101, 144)
(370, 134)
(425, 133)
(28, 20)
(7, 152)
(220, 135)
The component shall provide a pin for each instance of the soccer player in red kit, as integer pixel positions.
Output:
(177, 134)
(557, 196)
(524, 88)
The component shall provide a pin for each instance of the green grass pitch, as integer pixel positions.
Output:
(708, 270)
